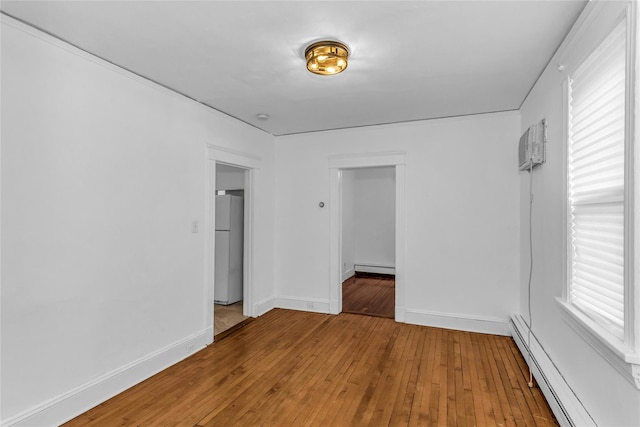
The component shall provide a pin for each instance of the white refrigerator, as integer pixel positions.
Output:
(228, 249)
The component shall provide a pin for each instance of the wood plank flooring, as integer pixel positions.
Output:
(373, 295)
(290, 368)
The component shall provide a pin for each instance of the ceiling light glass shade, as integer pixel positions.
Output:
(327, 58)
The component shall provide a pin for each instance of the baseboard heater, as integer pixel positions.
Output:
(371, 268)
(565, 405)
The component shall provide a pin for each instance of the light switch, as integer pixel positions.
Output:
(195, 227)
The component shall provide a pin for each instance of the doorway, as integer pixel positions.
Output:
(229, 261)
(368, 241)
(338, 165)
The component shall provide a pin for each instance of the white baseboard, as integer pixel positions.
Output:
(74, 402)
(264, 306)
(563, 402)
(303, 304)
(457, 322)
(347, 274)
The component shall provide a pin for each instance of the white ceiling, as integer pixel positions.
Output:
(410, 60)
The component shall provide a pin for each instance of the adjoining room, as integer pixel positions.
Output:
(369, 241)
(229, 311)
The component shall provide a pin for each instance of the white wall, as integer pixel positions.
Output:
(368, 218)
(610, 399)
(462, 203)
(348, 225)
(229, 177)
(103, 174)
(375, 216)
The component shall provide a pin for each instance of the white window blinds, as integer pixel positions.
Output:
(596, 183)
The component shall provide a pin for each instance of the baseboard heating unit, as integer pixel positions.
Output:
(563, 402)
(379, 269)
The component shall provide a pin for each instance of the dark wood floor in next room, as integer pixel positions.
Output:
(370, 294)
(290, 368)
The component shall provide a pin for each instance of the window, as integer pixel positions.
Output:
(601, 298)
(597, 261)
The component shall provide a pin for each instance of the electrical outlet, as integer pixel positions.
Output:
(310, 306)
(191, 347)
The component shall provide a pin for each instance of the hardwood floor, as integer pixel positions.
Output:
(373, 295)
(290, 368)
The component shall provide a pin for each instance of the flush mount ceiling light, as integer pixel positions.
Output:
(326, 58)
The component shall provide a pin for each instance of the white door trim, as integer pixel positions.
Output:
(251, 164)
(365, 160)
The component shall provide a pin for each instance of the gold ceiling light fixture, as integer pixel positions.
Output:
(327, 57)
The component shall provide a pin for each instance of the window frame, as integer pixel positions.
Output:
(623, 354)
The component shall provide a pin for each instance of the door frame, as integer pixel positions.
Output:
(251, 165)
(365, 160)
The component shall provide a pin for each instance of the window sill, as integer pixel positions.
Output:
(625, 360)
